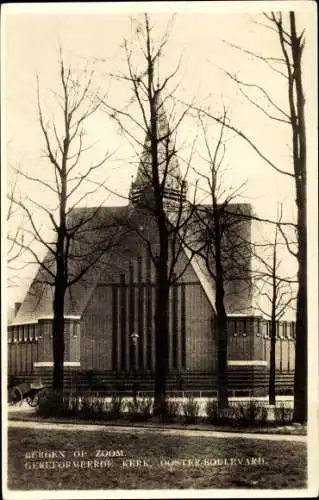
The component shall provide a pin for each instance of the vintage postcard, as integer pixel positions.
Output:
(159, 236)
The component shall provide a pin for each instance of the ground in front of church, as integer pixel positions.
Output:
(107, 459)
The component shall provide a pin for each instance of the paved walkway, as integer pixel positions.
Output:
(154, 430)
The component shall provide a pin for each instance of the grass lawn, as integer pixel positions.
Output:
(207, 462)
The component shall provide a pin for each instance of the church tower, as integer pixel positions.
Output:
(173, 186)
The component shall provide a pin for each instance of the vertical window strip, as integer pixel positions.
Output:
(114, 327)
(131, 305)
(140, 319)
(257, 326)
(74, 328)
(149, 326)
(183, 326)
(174, 326)
(123, 314)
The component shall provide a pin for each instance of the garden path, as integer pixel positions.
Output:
(195, 432)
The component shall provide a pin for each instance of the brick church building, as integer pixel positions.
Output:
(109, 316)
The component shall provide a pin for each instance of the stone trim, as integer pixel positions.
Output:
(244, 315)
(49, 364)
(249, 362)
(75, 317)
(41, 318)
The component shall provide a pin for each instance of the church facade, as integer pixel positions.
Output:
(109, 315)
(110, 330)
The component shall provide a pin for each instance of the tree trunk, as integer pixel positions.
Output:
(300, 171)
(301, 356)
(222, 376)
(58, 339)
(272, 366)
(58, 316)
(221, 320)
(161, 337)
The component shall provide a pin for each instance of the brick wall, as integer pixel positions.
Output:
(96, 331)
(31, 344)
(22, 348)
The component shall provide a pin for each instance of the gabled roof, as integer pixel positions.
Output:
(199, 268)
(100, 229)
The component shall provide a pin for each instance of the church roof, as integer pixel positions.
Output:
(102, 227)
(106, 226)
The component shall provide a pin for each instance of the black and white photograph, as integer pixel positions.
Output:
(159, 228)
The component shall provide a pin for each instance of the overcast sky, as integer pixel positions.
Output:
(32, 37)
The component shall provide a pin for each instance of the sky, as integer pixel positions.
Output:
(201, 34)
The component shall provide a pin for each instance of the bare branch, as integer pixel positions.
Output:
(246, 139)
(45, 184)
(261, 89)
(266, 60)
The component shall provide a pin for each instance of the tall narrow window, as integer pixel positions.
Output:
(123, 314)
(183, 326)
(174, 326)
(140, 345)
(149, 326)
(114, 327)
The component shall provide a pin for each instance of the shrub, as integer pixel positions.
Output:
(115, 408)
(92, 407)
(190, 410)
(248, 414)
(228, 415)
(70, 405)
(82, 406)
(86, 409)
(283, 414)
(146, 405)
(220, 416)
(239, 415)
(170, 411)
(263, 418)
(133, 410)
(51, 404)
(100, 407)
(140, 409)
(212, 411)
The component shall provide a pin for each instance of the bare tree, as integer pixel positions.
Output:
(288, 66)
(219, 239)
(161, 191)
(274, 291)
(15, 234)
(80, 238)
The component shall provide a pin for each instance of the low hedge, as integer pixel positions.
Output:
(94, 407)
